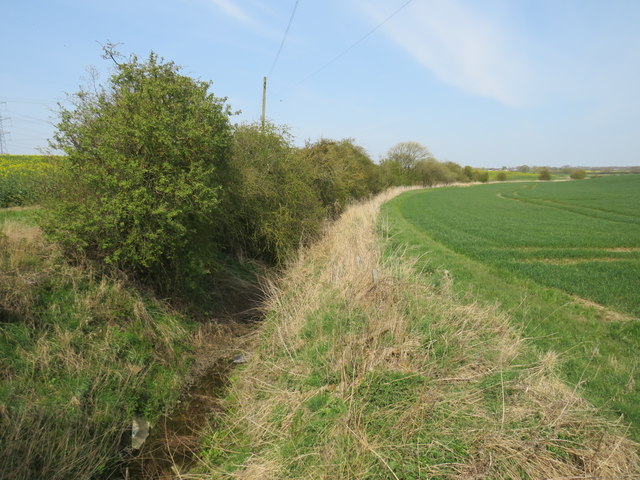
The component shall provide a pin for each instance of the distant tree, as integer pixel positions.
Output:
(545, 174)
(501, 177)
(408, 154)
(467, 173)
(578, 174)
(523, 168)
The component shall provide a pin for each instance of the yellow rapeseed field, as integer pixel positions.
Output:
(26, 179)
(29, 165)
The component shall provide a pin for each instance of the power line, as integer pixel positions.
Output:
(350, 47)
(284, 37)
(29, 117)
(33, 101)
(3, 140)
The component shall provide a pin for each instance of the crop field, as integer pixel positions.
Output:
(25, 179)
(562, 259)
(580, 237)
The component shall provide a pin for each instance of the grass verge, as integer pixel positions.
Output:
(365, 369)
(81, 354)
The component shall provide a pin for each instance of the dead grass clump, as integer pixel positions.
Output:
(31, 446)
(365, 370)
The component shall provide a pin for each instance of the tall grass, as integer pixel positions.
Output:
(81, 355)
(365, 370)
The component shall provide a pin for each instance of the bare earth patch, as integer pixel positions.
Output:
(16, 230)
(605, 314)
(573, 261)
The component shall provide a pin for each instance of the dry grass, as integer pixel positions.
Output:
(81, 354)
(363, 371)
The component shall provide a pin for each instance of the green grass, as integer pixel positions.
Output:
(80, 355)
(28, 215)
(392, 376)
(580, 237)
(500, 242)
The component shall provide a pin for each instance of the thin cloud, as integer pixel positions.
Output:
(461, 47)
(232, 9)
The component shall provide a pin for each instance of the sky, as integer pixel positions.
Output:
(486, 83)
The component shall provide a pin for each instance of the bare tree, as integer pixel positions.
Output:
(409, 154)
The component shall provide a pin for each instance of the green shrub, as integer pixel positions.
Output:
(145, 156)
(545, 174)
(271, 206)
(482, 176)
(431, 172)
(340, 171)
(578, 175)
(501, 176)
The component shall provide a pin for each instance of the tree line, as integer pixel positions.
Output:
(160, 183)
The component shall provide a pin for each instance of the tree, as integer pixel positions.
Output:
(146, 155)
(408, 154)
(578, 175)
(501, 177)
(545, 174)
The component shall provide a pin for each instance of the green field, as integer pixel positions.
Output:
(580, 237)
(563, 259)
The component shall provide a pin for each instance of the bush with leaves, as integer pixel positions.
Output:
(270, 204)
(340, 172)
(545, 174)
(578, 175)
(146, 155)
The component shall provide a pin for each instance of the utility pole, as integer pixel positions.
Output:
(3, 140)
(264, 100)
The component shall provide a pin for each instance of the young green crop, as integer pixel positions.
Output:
(548, 254)
(580, 237)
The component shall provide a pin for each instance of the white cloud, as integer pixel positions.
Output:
(232, 9)
(460, 46)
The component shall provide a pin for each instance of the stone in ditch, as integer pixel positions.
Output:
(239, 358)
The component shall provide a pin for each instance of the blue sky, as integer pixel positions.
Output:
(485, 83)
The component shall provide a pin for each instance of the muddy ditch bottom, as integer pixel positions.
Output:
(174, 440)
